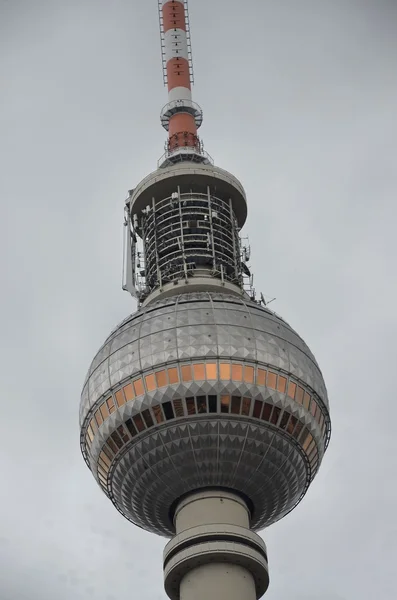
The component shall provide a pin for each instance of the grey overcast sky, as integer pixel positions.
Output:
(300, 103)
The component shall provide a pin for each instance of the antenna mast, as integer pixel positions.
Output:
(181, 117)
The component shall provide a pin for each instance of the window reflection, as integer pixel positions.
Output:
(111, 406)
(281, 384)
(120, 397)
(93, 425)
(306, 400)
(237, 372)
(213, 403)
(109, 449)
(131, 427)
(312, 450)
(299, 395)
(284, 420)
(199, 372)
(116, 439)
(123, 434)
(104, 411)
(138, 421)
(138, 387)
(257, 409)
(291, 424)
(90, 433)
(168, 411)
(147, 417)
(298, 429)
(178, 407)
(271, 380)
(267, 409)
(161, 378)
(291, 389)
(225, 371)
(173, 375)
(310, 447)
(103, 465)
(190, 405)
(275, 415)
(105, 458)
(201, 404)
(150, 382)
(98, 417)
(245, 410)
(249, 374)
(128, 392)
(186, 371)
(101, 474)
(108, 452)
(158, 414)
(236, 405)
(261, 377)
(306, 439)
(225, 403)
(211, 371)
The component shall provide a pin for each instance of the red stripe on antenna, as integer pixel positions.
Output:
(178, 73)
(174, 16)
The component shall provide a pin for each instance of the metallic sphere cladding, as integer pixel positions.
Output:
(203, 390)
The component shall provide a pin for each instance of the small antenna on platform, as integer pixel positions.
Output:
(263, 301)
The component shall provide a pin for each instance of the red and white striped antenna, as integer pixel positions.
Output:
(181, 117)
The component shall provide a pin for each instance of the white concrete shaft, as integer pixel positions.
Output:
(218, 581)
(214, 581)
(212, 506)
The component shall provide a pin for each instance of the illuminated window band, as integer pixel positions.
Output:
(235, 405)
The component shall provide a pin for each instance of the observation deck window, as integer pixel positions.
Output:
(147, 417)
(213, 404)
(201, 404)
(173, 375)
(299, 395)
(258, 409)
(246, 407)
(191, 406)
(138, 421)
(275, 415)
(225, 403)
(178, 407)
(271, 380)
(236, 405)
(168, 410)
(267, 409)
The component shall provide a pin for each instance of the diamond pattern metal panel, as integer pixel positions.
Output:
(165, 462)
(158, 470)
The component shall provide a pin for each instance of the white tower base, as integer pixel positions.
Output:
(214, 555)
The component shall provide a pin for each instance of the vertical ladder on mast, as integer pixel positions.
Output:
(188, 39)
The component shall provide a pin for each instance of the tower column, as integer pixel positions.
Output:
(214, 554)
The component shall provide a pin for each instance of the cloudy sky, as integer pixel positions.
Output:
(300, 103)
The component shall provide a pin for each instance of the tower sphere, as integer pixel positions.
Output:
(203, 390)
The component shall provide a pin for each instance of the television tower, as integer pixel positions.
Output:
(204, 416)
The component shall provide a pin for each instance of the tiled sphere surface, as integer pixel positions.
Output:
(259, 459)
